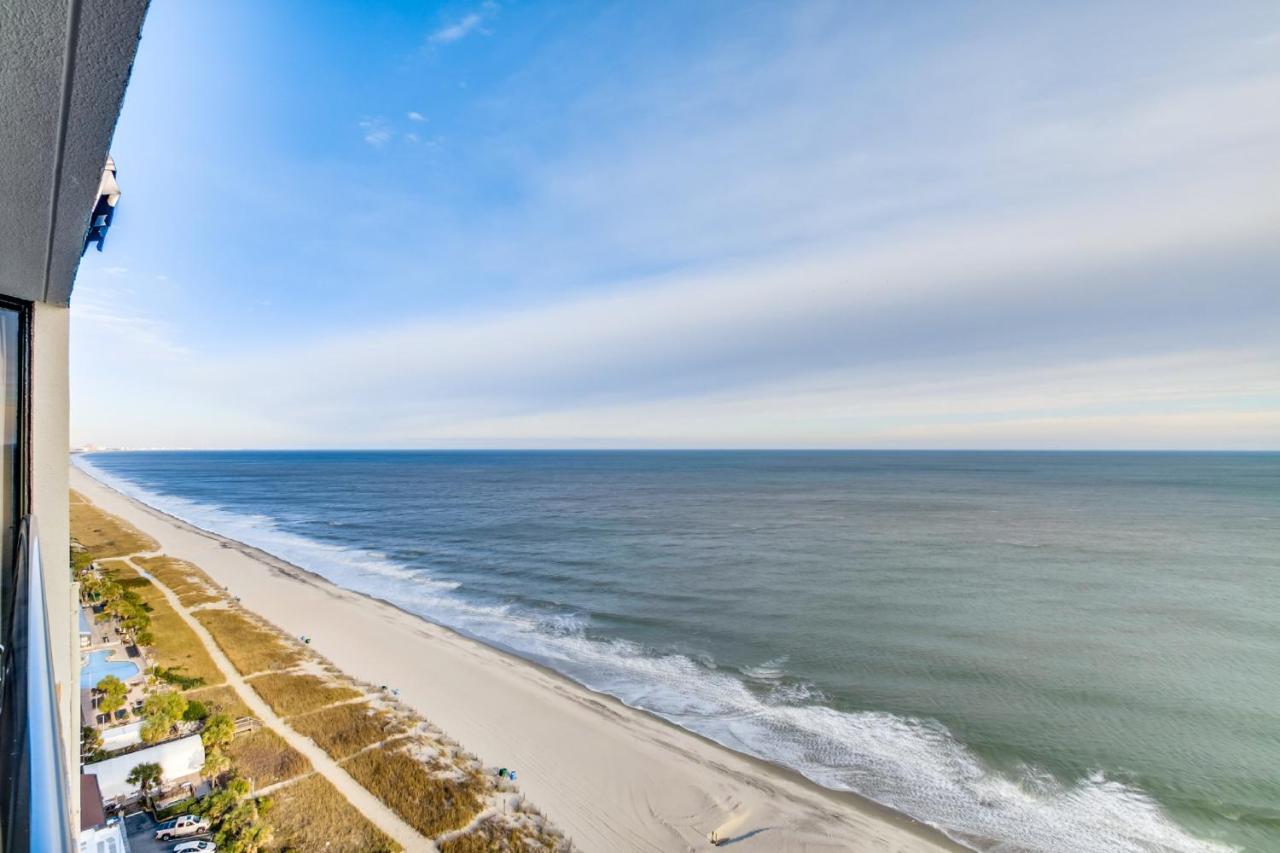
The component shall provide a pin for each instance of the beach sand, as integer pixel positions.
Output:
(611, 777)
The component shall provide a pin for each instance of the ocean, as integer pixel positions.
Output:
(1030, 651)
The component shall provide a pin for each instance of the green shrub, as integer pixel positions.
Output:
(173, 675)
(179, 808)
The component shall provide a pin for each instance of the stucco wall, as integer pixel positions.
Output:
(50, 440)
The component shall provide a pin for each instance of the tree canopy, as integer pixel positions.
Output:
(161, 712)
(114, 692)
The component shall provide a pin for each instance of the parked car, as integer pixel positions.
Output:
(181, 827)
(195, 847)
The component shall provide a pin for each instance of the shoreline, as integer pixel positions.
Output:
(659, 786)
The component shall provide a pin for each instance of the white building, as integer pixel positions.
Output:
(121, 737)
(104, 839)
(98, 833)
(178, 759)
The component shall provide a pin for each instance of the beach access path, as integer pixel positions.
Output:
(368, 805)
(613, 778)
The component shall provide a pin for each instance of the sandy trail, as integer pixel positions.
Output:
(611, 777)
(369, 805)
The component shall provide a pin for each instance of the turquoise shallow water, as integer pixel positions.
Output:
(1049, 651)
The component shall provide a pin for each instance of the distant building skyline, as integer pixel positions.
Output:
(776, 225)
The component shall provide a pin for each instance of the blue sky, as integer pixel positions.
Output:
(524, 224)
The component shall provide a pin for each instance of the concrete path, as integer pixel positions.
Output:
(366, 803)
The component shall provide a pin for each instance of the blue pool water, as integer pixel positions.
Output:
(97, 667)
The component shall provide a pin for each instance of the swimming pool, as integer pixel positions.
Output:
(96, 667)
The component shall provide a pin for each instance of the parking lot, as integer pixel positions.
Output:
(141, 830)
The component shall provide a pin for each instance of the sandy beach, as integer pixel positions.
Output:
(611, 777)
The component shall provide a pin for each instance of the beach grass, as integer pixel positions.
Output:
(192, 586)
(344, 730)
(310, 816)
(220, 700)
(433, 800)
(250, 646)
(264, 757)
(490, 836)
(104, 535)
(427, 788)
(290, 693)
(175, 646)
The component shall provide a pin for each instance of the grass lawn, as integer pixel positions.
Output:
(310, 815)
(250, 646)
(344, 730)
(290, 694)
(430, 803)
(264, 757)
(104, 535)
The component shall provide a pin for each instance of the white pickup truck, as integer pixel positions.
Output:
(181, 827)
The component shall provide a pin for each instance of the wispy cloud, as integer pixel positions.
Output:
(455, 31)
(963, 246)
(377, 131)
(1039, 308)
(104, 316)
(464, 26)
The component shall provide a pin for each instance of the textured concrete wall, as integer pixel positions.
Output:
(64, 65)
(33, 41)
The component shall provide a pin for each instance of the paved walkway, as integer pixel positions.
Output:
(366, 803)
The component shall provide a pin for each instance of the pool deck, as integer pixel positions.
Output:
(105, 637)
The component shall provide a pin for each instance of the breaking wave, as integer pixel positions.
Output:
(913, 765)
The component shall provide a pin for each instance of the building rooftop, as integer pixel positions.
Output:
(91, 811)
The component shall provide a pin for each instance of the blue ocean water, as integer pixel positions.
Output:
(1031, 651)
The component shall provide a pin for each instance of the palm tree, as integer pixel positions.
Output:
(90, 742)
(215, 764)
(114, 693)
(219, 730)
(146, 776)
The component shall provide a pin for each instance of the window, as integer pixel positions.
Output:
(10, 457)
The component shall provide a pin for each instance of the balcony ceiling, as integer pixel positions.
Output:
(63, 69)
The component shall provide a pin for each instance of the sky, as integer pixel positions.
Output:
(712, 224)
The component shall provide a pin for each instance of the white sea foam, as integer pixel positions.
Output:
(913, 765)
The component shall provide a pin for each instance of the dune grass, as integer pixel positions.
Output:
(344, 730)
(104, 535)
(311, 815)
(288, 693)
(250, 646)
(175, 646)
(192, 586)
(490, 836)
(264, 757)
(431, 800)
(220, 700)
